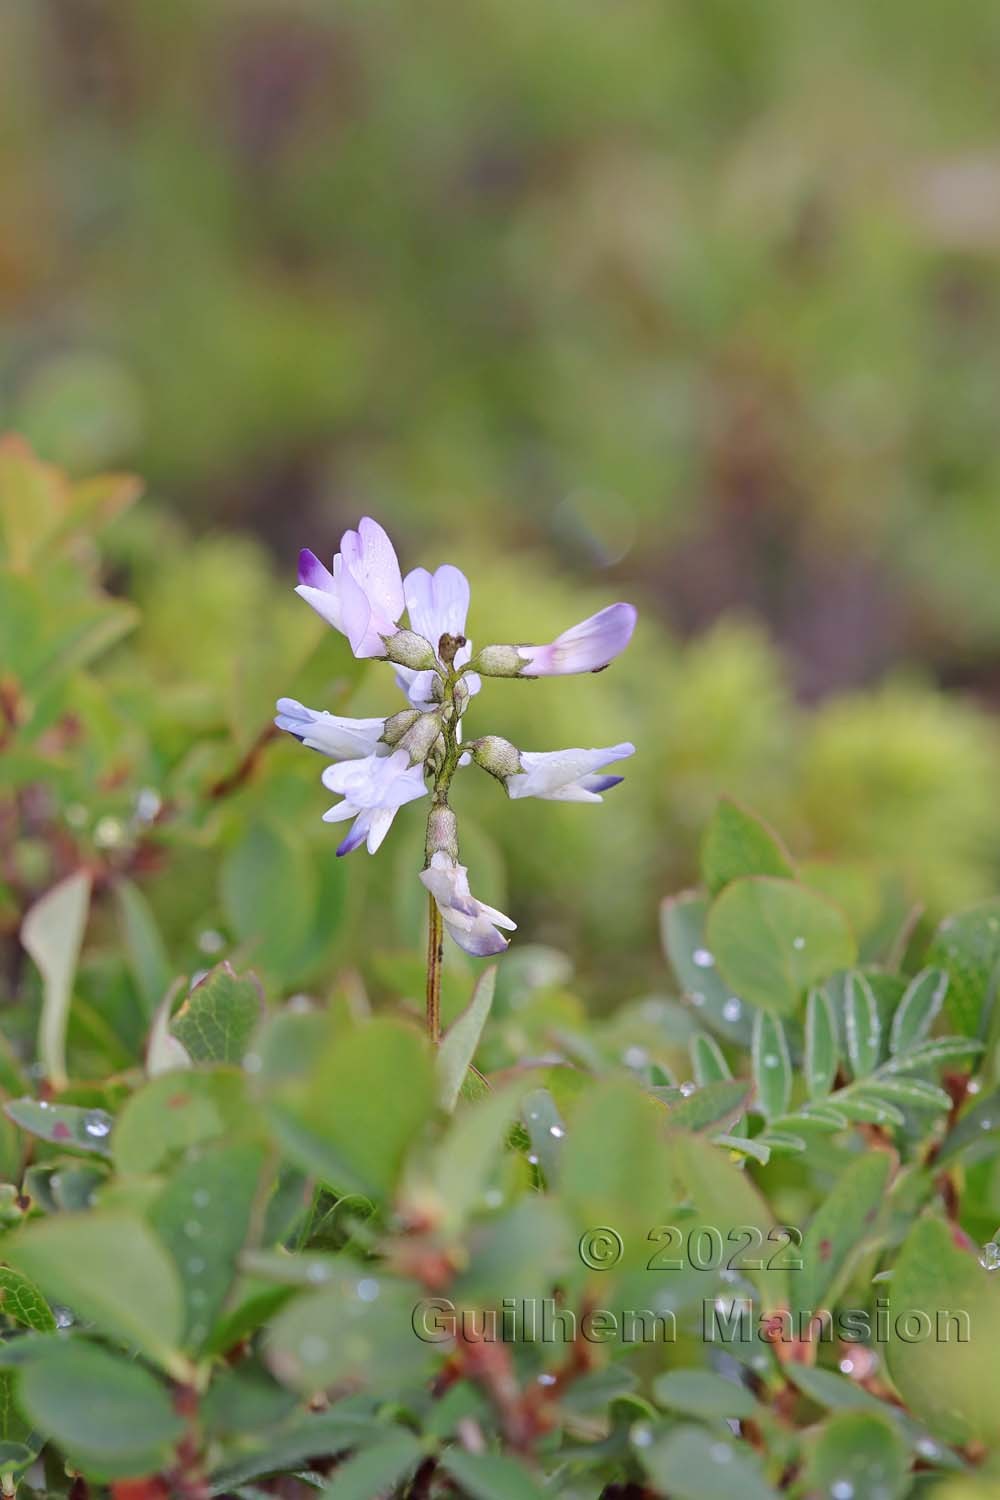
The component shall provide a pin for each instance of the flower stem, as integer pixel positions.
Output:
(435, 955)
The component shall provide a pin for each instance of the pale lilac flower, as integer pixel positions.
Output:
(471, 923)
(566, 775)
(340, 739)
(363, 596)
(373, 789)
(587, 647)
(437, 604)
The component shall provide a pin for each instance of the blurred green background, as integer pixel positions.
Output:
(690, 302)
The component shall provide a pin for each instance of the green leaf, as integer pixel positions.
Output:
(941, 1049)
(725, 1196)
(868, 1109)
(702, 1393)
(707, 1060)
(912, 1091)
(459, 1043)
(177, 1111)
(202, 1217)
(52, 934)
(946, 1373)
(64, 1125)
(693, 1464)
(772, 1066)
(147, 955)
(491, 1476)
(861, 1024)
(857, 1453)
(967, 948)
(546, 1132)
(219, 1016)
(111, 1269)
(353, 1118)
(757, 1148)
(772, 939)
(714, 1104)
(471, 1151)
(738, 843)
(376, 1471)
(268, 885)
(682, 925)
(839, 1229)
(111, 1417)
(822, 1050)
(975, 1135)
(916, 1012)
(21, 1301)
(614, 1162)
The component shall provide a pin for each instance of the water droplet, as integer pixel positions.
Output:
(798, 943)
(927, 1447)
(842, 1489)
(846, 1366)
(201, 1197)
(97, 1125)
(63, 1317)
(192, 1229)
(733, 1009)
(533, 1159)
(368, 1289)
(974, 1086)
(109, 833)
(702, 959)
(43, 1104)
(771, 1060)
(557, 1131)
(688, 1088)
(317, 1272)
(313, 1349)
(196, 1265)
(148, 804)
(635, 1057)
(986, 1124)
(641, 1434)
(252, 1063)
(211, 941)
(533, 1114)
(990, 1258)
(546, 1379)
(720, 1453)
(696, 997)
(493, 1197)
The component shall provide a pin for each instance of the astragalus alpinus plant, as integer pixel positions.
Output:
(379, 765)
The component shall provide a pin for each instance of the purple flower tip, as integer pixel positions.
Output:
(311, 570)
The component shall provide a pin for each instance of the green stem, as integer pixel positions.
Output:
(435, 955)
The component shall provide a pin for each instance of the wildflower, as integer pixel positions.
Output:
(373, 789)
(363, 596)
(341, 739)
(437, 605)
(556, 775)
(588, 647)
(471, 923)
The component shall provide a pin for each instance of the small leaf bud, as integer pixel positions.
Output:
(420, 736)
(397, 725)
(496, 755)
(442, 833)
(498, 661)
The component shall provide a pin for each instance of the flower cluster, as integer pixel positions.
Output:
(381, 764)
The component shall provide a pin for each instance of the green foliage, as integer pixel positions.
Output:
(253, 1227)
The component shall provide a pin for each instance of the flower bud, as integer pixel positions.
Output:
(397, 725)
(496, 755)
(407, 649)
(498, 661)
(420, 736)
(442, 833)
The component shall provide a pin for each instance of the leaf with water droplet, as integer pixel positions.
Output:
(822, 1051)
(772, 1065)
(856, 1455)
(966, 947)
(682, 926)
(975, 1136)
(773, 938)
(691, 1463)
(64, 1125)
(861, 1024)
(715, 1105)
